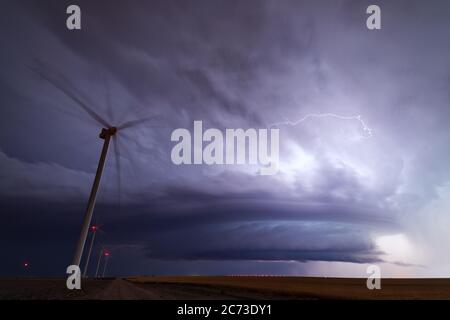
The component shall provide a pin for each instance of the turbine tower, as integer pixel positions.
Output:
(98, 261)
(107, 255)
(107, 133)
(94, 230)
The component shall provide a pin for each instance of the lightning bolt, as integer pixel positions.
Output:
(287, 122)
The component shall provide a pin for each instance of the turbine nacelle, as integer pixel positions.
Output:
(108, 132)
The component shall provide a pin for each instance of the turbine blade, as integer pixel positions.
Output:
(131, 159)
(80, 117)
(133, 123)
(118, 168)
(80, 103)
(109, 109)
(127, 135)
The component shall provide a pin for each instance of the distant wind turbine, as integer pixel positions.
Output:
(94, 230)
(99, 261)
(107, 255)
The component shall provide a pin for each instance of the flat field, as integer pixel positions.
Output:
(224, 287)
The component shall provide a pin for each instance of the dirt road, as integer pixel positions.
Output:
(125, 290)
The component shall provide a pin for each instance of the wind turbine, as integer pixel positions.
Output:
(107, 132)
(94, 230)
(107, 255)
(98, 261)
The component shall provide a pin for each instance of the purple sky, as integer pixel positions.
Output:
(342, 199)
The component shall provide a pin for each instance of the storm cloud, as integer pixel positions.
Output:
(231, 64)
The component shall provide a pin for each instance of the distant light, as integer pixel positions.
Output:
(94, 228)
(26, 264)
(106, 254)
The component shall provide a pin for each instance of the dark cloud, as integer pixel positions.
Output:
(231, 64)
